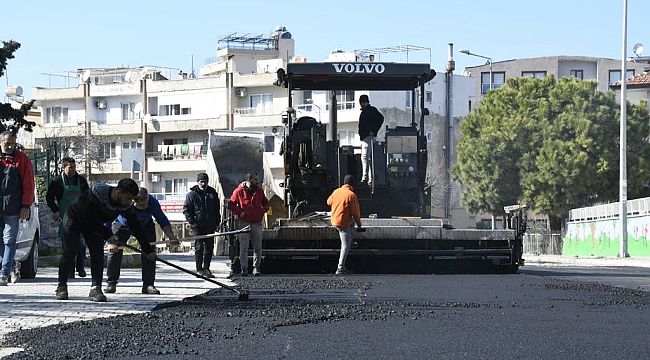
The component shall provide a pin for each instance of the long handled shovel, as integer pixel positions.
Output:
(242, 295)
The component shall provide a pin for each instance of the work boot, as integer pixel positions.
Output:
(14, 275)
(96, 294)
(244, 272)
(256, 271)
(82, 272)
(150, 290)
(207, 273)
(62, 292)
(110, 288)
(3, 280)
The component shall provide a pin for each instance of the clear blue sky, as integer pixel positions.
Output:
(57, 36)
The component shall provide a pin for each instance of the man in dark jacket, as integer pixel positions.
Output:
(87, 215)
(370, 121)
(201, 210)
(249, 204)
(16, 197)
(63, 190)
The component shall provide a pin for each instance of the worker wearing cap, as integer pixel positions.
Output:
(345, 207)
(201, 210)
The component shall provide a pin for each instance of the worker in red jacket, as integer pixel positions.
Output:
(16, 198)
(249, 204)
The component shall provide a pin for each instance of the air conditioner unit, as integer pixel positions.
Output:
(240, 92)
(100, 104)
(155, 177)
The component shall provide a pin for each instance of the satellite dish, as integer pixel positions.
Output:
(240, 92)
(101, 104)
(138, 108)
(85, 76)
(638, 49)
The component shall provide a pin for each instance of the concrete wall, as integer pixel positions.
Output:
(601, 237)
(589, 69)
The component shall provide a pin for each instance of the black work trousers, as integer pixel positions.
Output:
(203, 248)
(95, 243)
(114, 260)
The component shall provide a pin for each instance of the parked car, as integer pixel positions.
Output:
(27, 244)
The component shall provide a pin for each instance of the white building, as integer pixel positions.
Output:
(604, 71)
(129, 115)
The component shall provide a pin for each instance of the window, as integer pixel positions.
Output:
(615, 75)
(176, 186)
(498, 79)
(128, 111)
(347, 137)
(407, 95)
(170, 110)
(269, 143)
(345, 95)
(576, 74)
(345, 99)
(153, 105)
(133, 144)
(533, 74)
(306, 96)
(176, 141)
(428, 96)
(56, 115)
(261, 103)
(107, 151)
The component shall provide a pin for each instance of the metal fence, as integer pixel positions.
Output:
(542, 243)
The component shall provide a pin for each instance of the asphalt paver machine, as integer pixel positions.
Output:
(400, 236)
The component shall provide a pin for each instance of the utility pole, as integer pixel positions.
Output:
(87, 130)
(623, 143)
(449, 130)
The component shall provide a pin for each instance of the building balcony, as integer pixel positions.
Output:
(57, 93)
(110, 166)
(252, 117)
(121, 89)
(125, 128)
(170, 160)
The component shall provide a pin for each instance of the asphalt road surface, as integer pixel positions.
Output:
(541, 313)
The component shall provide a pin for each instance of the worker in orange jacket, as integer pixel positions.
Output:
(345, 207)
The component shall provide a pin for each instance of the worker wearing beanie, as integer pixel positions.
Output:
(201, 210)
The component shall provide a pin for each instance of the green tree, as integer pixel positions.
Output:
(550, 144)
(10, 118)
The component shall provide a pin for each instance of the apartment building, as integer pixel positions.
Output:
(604, 71)
(152, 123)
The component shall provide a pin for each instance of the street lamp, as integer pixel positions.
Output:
(622, 191)
(489, 60)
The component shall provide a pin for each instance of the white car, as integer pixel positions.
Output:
(27, 244)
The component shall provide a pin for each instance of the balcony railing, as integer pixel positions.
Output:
(343, 105)
(179, 152)
(251, 111)
(168, 196)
